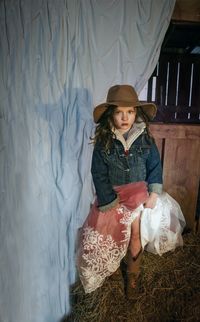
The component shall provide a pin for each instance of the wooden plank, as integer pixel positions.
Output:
(186, 10)
(150, 85)
(198, 210)
(173, 67)
(195, 84)
(184, 84)
(171, 131)
(161, 81)
(181, 174)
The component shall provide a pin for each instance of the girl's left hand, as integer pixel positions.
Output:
(151, 200)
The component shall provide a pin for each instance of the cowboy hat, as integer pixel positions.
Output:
(123, 95)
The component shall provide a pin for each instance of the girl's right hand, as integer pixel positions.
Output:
(151, 200)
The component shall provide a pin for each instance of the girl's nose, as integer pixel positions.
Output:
(124, 116)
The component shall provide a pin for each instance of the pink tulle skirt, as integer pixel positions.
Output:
(105, 236)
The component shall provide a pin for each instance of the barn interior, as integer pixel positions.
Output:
(170, 284)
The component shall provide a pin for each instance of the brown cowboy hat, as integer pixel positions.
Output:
(123, 95)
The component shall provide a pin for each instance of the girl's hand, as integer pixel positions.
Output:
(151, 200)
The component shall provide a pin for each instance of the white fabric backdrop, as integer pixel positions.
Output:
(58, 59)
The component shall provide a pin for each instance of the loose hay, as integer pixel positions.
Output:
(171, 291)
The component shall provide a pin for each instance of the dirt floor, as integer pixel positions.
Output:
(170, 291)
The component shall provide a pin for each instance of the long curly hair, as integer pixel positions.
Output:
(103, 133)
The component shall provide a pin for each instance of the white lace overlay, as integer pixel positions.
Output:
(161, 227)
(102, 254)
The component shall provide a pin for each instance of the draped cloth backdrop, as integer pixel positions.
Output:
(58, 58)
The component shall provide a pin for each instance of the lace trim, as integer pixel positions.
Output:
(102, 254)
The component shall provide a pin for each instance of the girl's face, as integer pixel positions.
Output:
(123, 118)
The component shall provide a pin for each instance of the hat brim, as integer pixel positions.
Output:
(149, 109)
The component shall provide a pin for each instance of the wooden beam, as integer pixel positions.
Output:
(187, 10)
(175, 131)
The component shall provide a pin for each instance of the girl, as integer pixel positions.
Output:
(131, 211)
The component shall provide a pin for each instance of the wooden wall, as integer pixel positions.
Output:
(179, 147)
(188, 10)
(178, 104)
(177, 82)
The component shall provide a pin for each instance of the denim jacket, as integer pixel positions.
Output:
(132, 160)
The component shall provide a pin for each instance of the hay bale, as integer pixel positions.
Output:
(171, 291)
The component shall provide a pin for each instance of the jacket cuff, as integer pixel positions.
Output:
(110, 205)
(155, 187)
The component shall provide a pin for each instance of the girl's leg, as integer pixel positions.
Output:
(135, 243)
(132, 277)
